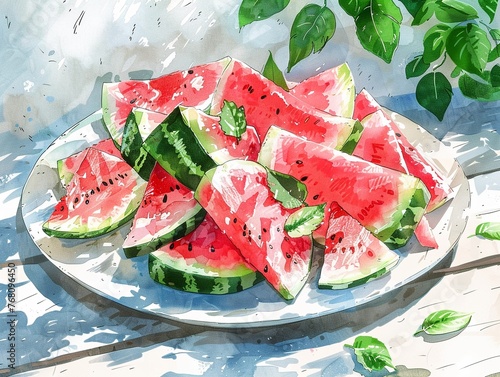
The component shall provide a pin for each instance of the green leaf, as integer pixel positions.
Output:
(478, 90)
(256, 10)
(371, 353)
(454, 11)
(490, 7)
(425, 12)
(305, 220)
(232, 119)
(413, 6)
(273, 73)
(495, 34)
(444, 322)
(378, 26)
(416, 67)
(435, 42)
(457, 71)
(468, 46)
(489, 230)
(494, 54)
(286, 189)
(434, 93)
(495, 76)
(311, 29)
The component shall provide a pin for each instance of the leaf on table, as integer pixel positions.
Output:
(488, 230)
(232, 119)
(371, 353)
(286, 189)
(444, 322)
(305, 220)
(434, 93)
(272, 72)
(490, 7)
(469, 47)
(417, 67)
(256, 10)
(312, 28)
(378, 25)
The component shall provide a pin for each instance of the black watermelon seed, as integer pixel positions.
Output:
(190, 71)
(244, 226)
(264, 230)
(288, 255)
(87, 201)
(277, 111)
(266, 268)
(263, 96)
(165, 198)
(190, 247)
(92, 192)
(177, 187)
(133, 100)
(98, 189)
(110, 181)
(104, 183)
(271, 247)
(76, 200)
(212, 249)
(303, 178)
(244, 234)
(235, 220)
(171, 247)
(299, 162)
(315, 197)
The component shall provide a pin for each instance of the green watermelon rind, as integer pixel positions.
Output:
(182, 227)
(198, 278)
(357, 279)
(107, 225)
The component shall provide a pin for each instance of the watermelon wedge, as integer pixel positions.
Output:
(191, 87)
(388, 203)
(332, 91)
(237, 196)
(266, 104)
(353, 256)
(67, 167)
(168, 211)
(204, 261)
(416, 163)
(103, 194)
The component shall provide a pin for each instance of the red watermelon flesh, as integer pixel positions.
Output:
(66, 167)
(204, 261)
(168, 211)
(191, 87)
(416, 163)
(386, 202)
(237, 196)
(425, 235)
(103, 194)
(267, 104)
(332, 91)
(379, 144)
(353, 255)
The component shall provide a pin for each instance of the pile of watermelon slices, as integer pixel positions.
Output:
(226, 179)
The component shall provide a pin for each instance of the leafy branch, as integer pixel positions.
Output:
(456, 35)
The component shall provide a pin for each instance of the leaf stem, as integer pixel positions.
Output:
(440, 64)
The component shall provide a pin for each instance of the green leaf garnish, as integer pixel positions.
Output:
(256, 10)
(311, 29)
(286, 189)
(305, 220)
(232, 119)
(468, 46)
(444, 322)
(478, 90)
(377, 25)
(434, 93)
(371, 353)
(272, 72)
(488, 230)
(454, 11)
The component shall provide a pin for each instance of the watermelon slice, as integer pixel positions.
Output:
(168, 211)
(353, 256)
(237, 196)
(204, 261)
(266, 104)
(103, 194)
(388, 203)
(191, 87)
(416, 163)
(332, 91)
(67, 167)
